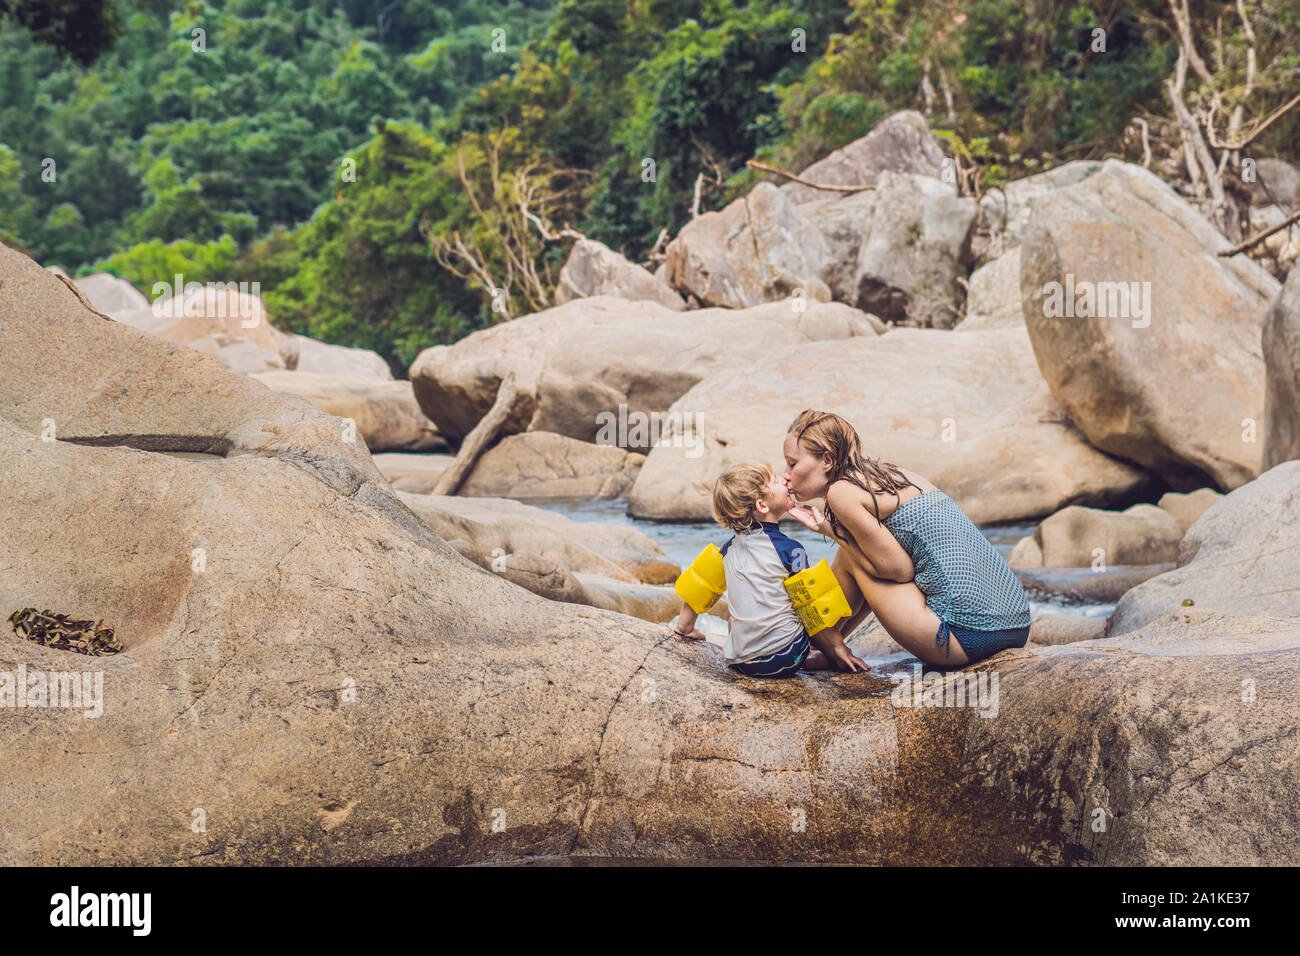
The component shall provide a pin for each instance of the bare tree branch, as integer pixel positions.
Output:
(656, 254)
(1146, 140)
(1255, 240)
(1183, 21)
(765, 167)
(1258, 128)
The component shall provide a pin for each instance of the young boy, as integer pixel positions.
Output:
(765, 637)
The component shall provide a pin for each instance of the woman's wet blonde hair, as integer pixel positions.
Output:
(825, 433)
(737, 491)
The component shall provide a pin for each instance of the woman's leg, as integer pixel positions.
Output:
(859, 607)
(901, 610)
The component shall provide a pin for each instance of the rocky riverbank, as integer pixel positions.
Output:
(329, 670)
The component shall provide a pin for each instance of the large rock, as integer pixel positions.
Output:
(111, 294)
(602, 565)
(994, 298)
(1237, 562)
(649, 602)
(1187, 508)
(595, 269)
(1026, 554)
(1281, 178)
(844, 223)
(546, 465)
(548, 575)
(1171, 379)
(1142, 534)
(916, 248)
(1281, 346)
(220, 314)
(323, 358)
(539, 573)
(386, 413)
(237, 353)
(1006, 210)
(499, 528)
(757, 249)
(529, 465)
(413, 472)
(1056, 629)
(970, 412)
(576, 361)
(899, 143)
(337, 685)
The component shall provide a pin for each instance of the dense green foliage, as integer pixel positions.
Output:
(371, 162)
(163, 139)
(1025, 82)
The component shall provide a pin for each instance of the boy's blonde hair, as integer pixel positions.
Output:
(737, 491)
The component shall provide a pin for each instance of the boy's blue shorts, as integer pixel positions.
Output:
(783, 663)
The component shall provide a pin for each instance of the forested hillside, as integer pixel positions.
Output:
(382, 168)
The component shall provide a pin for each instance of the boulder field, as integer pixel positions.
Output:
(578, 361)
(1238, 560)
(320, 679)
(593, 268)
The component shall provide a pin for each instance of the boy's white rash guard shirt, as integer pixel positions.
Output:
(757, 563)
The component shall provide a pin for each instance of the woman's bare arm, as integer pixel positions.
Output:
(875, 543)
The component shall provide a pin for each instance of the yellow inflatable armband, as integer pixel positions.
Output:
(701, 584)
(817, 597)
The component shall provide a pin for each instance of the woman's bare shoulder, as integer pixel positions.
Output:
(843, 494)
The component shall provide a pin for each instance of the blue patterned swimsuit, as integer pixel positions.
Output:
(968, 585)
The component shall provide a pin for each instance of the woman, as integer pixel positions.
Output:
(907, 551)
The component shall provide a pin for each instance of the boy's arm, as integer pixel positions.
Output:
(701, 589)
(685, 625)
